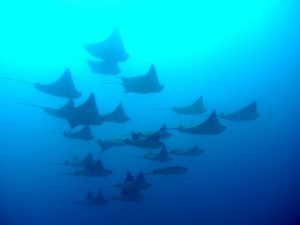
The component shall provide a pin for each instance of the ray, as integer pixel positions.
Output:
(63, 87)
(151, 142)
(111, 48)
(162, 156)
(210, 126)
(193, 151)
(104, 67)
(162, 132)
(143, 84)
(94, 201)
(196, 108)
(85, 114)
(246, 113)
(170, 170)
(129, 195)
(107, 144)
(84, 133)
(116, 116)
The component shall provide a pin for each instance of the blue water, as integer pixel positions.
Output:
(231, 52)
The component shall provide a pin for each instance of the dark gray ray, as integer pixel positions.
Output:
(170, 170)
(129, 195)
(116, 116)
(92, 170)
(193, 151)
(152, 141)
(94, 201)
(140, 181)
(162, 156)
(162, 132)
(85, 114)
(107, 144)
(63, 112)
(246, 113)
(196, 108)
(143, 84)
(210, 126)
(83, 134)
(110, 49)
(104, 67)
(75, 162)
(63, 87)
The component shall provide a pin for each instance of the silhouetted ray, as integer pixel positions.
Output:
(163, 133)
(162, 156)
(63, 112)
(95, 201)
(83, 134)
(116, 116)
(75, 162)
(132, 195)
(195, 108)
(140, 181)
(170, 170)
(92, 170)
(143, 84)
(63, 87)
(148, 142)
(211, 126)
(194, 151)
(104, 67)
(85, 114)
(107, 144)
(246, 113)
(110, 49)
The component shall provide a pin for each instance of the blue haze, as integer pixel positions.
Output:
(231, 52)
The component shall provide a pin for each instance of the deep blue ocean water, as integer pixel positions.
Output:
(230, 52)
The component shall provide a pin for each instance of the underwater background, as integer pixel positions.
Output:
(230, 52)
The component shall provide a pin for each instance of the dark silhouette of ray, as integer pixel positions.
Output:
(129, 195)
(162, 156)
(116, 116)
(110, 49)
(246, 113)
(63, 87)
(83, 134)
(107, 144)
(85, 114)
(210, 126)
(105, 67)
(143, 84)
(195, 108)
(170, 170)
(94, 201)
(140, 181)
(162, 132)
(63, 112)
(76, 162)
(152, 141)
(194, 151)
(92, 170)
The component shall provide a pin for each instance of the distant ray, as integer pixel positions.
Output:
(94, 201)
(132, 195)
(170, 170)
(194, 151)
(92, 170)
(143, 84)
(246, 113)
(152, 141)
(104, 67)
(76, 162)
(210, 126)
(63, 87)
(116, 116)
(111, 48)
(83, 134)
(195, 108)
(107, 144)
(162, 132)
(162, 156)
(85, 114)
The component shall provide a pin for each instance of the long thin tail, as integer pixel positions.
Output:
(17, 81)
(113, 83)
(163, 108)
(35, 106)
